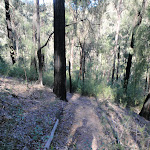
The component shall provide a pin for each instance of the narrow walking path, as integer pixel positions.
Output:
(88, 124)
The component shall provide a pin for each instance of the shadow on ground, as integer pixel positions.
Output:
(89, 123)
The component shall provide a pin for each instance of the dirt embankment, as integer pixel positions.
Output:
(27, 114)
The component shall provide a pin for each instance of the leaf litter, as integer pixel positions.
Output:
(28, 114)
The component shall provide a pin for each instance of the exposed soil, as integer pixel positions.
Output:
(89, 123)
(28, 113)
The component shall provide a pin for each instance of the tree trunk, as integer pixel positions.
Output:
(145, 112)
(71, 54)
(80, 71)
(83, 72)
(118, 64)
(10, 33)
(128, 68)
(34, 37)
(59, 50)
(113, 70)
(39, 51)
(116, 38)
(70, 77)
(138, 21)
(82, 64)
(147, 80)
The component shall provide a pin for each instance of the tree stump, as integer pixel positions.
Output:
(145, 112)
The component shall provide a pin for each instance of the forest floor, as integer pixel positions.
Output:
(28, 113)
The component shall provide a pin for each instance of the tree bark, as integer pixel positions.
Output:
(34, 37)
(39, 52)
(83, 73)
(138, 21)
(71, 55)
(128, 68)
(59, 50)
(145, 112)
(116, 38)
(147, 80)
(118, 64)
(82, 64)
(80, 71)
(113, 70)
(10, 32)
(70, 81)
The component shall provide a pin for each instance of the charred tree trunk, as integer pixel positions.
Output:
(128, 68)
(83, 73)
(80, 71)
(118, 63)
(138, 21)
(82, 64)
(148, 82)
(70, 81)
(145, 112)
(113, 70)
(10, 32)
(59, 50)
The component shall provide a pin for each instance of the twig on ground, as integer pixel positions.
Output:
(136, 133)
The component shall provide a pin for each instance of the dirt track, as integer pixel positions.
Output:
(88, 123)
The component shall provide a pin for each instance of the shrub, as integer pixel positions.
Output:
(48, 78)
(131, 97)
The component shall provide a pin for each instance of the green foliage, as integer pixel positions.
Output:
(97, 32)
(91, 87)
(131, 97)
(104, 91)
(18, 71)
(37, 132)
(48, 78)
(3, 67)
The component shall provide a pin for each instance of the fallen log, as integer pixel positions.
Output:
(51, 136)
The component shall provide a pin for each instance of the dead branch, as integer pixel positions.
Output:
(67, 25)
(47, 40)
(51, 136)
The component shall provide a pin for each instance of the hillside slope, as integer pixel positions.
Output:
(28, 113)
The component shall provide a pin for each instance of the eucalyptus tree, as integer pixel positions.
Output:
(11, 40)
(118, 8)
(39, 48)
(137, 23)
(59, 49)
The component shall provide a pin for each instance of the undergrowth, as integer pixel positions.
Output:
(90, 87)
